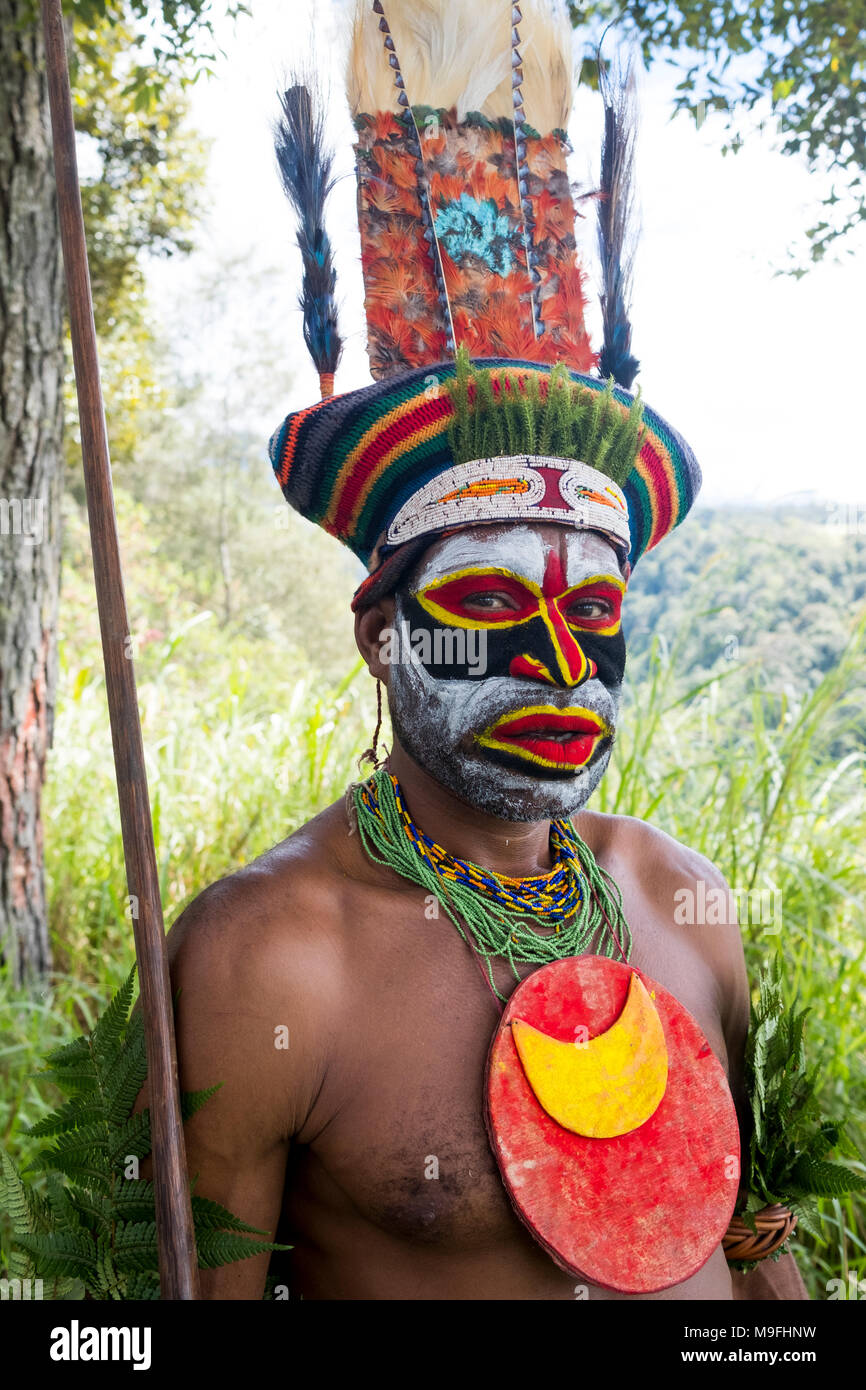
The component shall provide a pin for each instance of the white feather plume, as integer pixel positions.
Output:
(457, 53)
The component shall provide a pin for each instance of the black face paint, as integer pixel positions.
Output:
(508, 695)
(466, 653)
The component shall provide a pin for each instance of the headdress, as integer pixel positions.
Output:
(487, 403)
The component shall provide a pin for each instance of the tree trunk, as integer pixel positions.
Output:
(31, 410)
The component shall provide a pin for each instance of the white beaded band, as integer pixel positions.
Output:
(525, 487)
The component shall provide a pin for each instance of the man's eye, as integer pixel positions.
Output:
(488, 602)
(591, 610)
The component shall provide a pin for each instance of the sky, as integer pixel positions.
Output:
(761, 373)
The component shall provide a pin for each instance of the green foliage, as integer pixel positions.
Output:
(171, 37)
(144, 193)
(247, 731)
(142, 173)
(569, 421)
(776, 605)
(92, 1232)
(790, 1141)
(807, 62)
(243, 554)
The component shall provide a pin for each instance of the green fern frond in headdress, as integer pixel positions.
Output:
(502, 412)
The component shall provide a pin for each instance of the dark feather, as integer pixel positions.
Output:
(305, 164)
(616, 236)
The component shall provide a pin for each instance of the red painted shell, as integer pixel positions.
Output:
(638, 1213)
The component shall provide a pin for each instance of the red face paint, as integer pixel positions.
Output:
(542, 631)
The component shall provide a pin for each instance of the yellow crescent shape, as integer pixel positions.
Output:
(608, 1085)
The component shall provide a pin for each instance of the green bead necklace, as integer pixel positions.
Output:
(576, 898)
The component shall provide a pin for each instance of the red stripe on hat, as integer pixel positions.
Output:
(288, 454)
(391, 433)
(658, 481)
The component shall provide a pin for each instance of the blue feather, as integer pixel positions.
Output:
(305, 164)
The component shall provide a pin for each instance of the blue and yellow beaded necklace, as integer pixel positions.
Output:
(502, 915)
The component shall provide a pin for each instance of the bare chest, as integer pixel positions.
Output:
(397, 1138)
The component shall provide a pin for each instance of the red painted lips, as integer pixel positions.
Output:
(548, 736)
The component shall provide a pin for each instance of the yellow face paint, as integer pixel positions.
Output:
(447, 599)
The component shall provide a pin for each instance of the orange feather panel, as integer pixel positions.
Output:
(469, 181)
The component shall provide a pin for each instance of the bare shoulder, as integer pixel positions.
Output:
(281, 907)
(644, 850)
(256, 958)
(685, 893)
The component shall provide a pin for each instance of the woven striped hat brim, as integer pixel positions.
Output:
(349, 463)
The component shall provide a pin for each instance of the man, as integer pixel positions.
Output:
(345, 987)
(388, 1021)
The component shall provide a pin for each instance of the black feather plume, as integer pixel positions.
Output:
(616, 237)
(305, 164)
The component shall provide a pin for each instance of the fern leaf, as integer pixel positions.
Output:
(107, 1036)
(15, 1199)
(846, 1145)
(108, 1280)
(127, 1076)
(135, 1235)
(61, 1204)
(135, 1248)
(192, 1101)
(143, 1286)
(58, 1289)
(67, 1254)
(18, 1263)
(130, 1140)
(93, 1210)
(815, 1175)
(84, 1170)
(90, 1138)
(807, 1214)
(77, 1080)
(132, 1200)
(75, 1113)
(217, 1248)
(778, 1050)
(826, 1140)
(70, 1054)
(210, 1216)
(95, 1232)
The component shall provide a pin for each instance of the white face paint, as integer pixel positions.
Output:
(523, 549)
(439, 722)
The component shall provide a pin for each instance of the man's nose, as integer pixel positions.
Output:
(563, 661)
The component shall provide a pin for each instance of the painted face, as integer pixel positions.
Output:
(517, 656)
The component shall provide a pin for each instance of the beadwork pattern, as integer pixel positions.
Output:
(497, 915)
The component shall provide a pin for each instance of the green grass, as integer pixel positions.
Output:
(242, 749)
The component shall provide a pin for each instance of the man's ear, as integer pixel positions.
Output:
(373, 630)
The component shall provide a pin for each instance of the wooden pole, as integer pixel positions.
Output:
(178, 1267)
